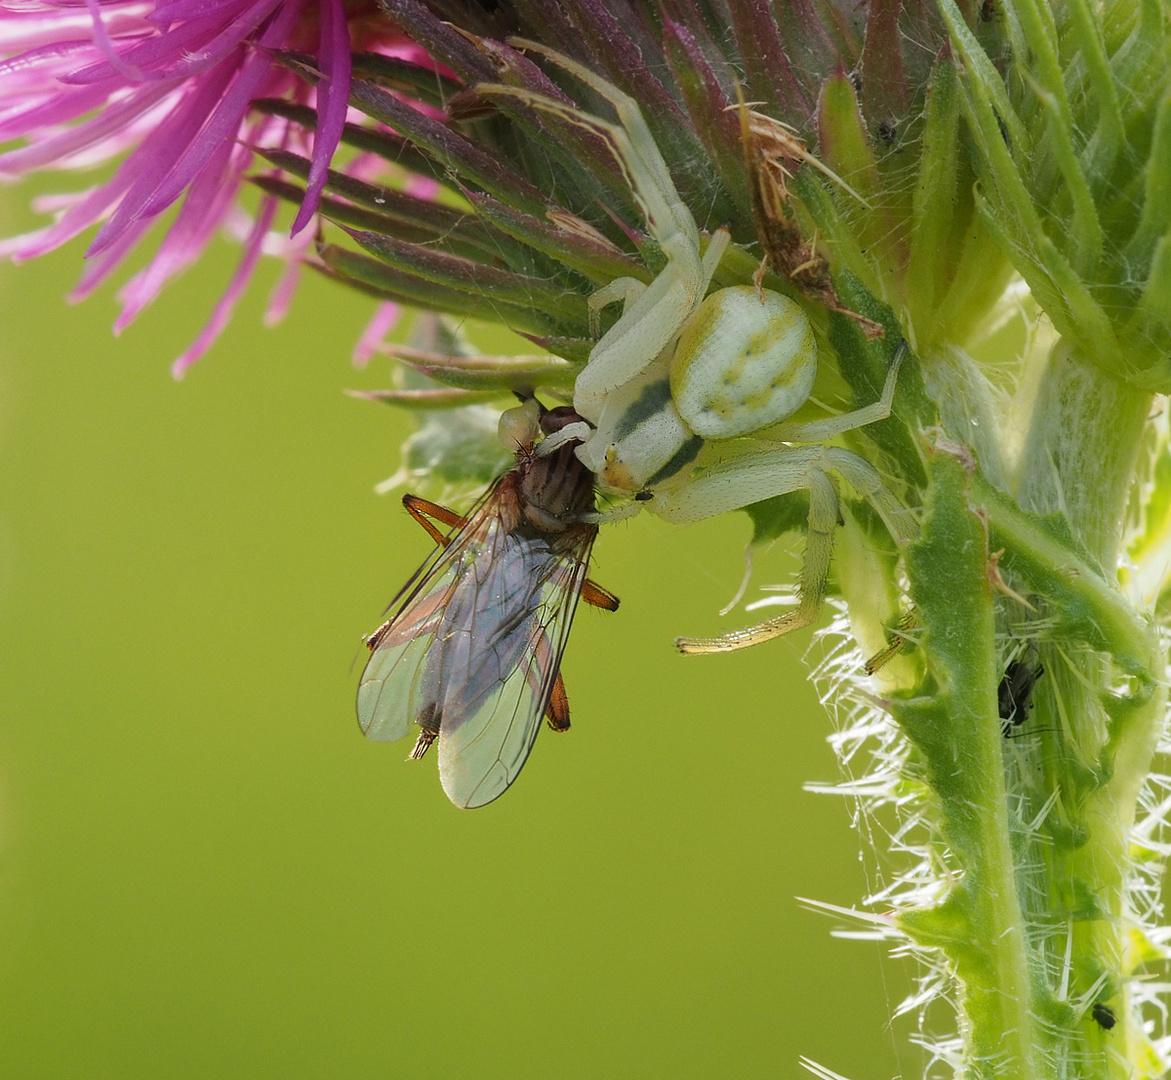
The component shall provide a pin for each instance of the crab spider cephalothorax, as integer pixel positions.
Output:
(678, 373)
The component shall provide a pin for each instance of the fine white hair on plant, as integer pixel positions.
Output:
(1150, 936)
(908, 867)
(892, 812)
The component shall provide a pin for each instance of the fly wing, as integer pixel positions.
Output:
(501, 660)
(400, 678)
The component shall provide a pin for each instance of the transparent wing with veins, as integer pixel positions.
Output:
(472, 650)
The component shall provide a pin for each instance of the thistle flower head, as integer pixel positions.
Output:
(166, 90)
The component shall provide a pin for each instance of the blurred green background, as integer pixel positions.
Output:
(206, 870)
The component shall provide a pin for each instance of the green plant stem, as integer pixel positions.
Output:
(1064, 801)
(1098, 732)
(979, 925)
(1037, 924)
(1081, 449)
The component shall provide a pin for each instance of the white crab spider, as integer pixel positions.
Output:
(677, 374)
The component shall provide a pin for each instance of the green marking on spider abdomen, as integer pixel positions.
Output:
(745, 360)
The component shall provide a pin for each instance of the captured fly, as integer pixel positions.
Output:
(471, 652)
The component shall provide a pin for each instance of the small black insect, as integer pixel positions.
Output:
(1104, 1015)
(1015, 693)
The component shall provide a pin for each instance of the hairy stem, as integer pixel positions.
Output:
(953, 721)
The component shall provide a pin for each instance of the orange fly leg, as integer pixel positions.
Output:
(422, 509)
(593, 594)
(557, 711)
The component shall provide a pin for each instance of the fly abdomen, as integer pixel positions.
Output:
(428, 719)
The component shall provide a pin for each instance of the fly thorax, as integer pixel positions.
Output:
(556, 490)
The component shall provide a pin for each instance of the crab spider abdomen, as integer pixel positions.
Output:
(746, 359)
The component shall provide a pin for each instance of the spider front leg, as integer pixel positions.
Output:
(737, 483)
(626, 289)
(654, 316)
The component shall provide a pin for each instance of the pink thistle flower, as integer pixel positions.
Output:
(166, 86)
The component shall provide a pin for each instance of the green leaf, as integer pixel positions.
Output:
(422, 83)
(422, 213)
(385, 211)
(392, 148)
(1151, 329)
(1111, 134)
(479, 372)
(834, 227)
(468, 160)
(1156, 216)
(442, 398)
(717, 125)
(772, 518)
(864, 363)
(841, 134)
(342, 213)
(1088, 608)
(456, 448)
(980, 275)
(1041, 70)
(954, 720)
(575, 350)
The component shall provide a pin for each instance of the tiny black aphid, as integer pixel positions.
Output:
(1104, 1015)
(1015, 693)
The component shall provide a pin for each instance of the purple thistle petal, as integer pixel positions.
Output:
(69, 141)
(333, 95)
(384, 320)
(165, 14)
(166, 85)
(105, 264)
(154, 160)
(57, 109)
(52, 203)
(187, 50)
(102, 37)
(293, 253)
(11, 247)
(422, 187)
(223, 309)
(239, 30)
(38, 63)
(78, 218)
(224, 121)
(204, 207)
(45, 25)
